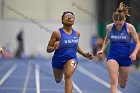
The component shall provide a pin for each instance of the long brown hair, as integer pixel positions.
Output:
(121, 12)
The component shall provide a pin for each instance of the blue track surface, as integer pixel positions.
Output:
(35, 76)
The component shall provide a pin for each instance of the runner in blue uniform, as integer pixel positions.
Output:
(65, 44)
(120, 56)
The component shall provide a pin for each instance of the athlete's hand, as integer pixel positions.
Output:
(100, 52)
(89, 55)
(56, 44)
(1, 51)
(133, 56)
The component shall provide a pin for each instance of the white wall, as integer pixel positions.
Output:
(36, 39)
(49, 9)
(31, 14)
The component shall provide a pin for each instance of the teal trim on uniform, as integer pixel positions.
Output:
(101, 29)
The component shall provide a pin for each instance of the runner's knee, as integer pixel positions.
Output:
(68, 75)
(114, 82)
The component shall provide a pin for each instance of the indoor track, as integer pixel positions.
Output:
(35, 76)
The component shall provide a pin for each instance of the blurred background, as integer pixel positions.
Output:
(38, 19)
(26, 25)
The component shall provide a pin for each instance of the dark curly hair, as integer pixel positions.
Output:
(66, 13)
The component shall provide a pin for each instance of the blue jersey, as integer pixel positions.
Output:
(120, 45)
(67, 49)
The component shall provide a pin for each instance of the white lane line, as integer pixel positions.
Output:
(92, 76)
(37, 78)
(10, 71)
(31, 77)
(29, 68)
(77, 88)
(33, 89)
